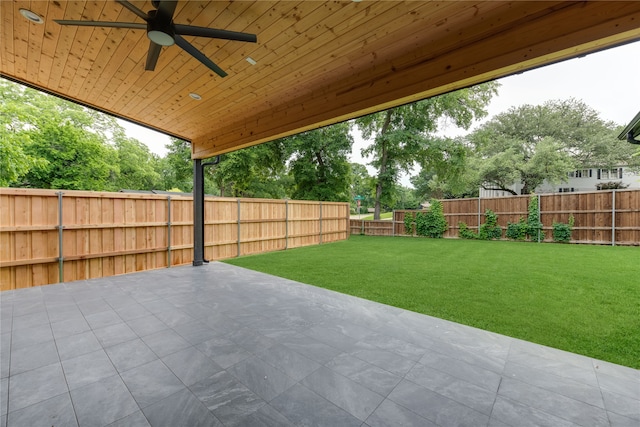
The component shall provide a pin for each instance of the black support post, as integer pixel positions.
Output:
(198, 212)
(198, 209)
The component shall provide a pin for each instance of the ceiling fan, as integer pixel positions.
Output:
(161, 31)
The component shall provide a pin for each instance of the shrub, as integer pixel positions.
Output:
(534, 226)
(562, 232)
(518, 230)
(611, 185)
(408, 223)
(464, 232)
(432, 223)
(490, 229)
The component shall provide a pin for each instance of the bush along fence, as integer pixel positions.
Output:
(602, 217)
(49, 236)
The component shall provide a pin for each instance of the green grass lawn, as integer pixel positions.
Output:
(583, 299)
(385, 215)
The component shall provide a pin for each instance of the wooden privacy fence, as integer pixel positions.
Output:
(49, 236)
(602, 217)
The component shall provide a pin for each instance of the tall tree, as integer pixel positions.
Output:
(17, 117)
(361, 185)
(530, 144)
(76, 159)
(252, 172)
(319, 164)
(429, 185)
(176, 168)
(137, 167)
(48, 142)
(404, 136)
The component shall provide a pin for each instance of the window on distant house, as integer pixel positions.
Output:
(582, 173)
(566, 190)
(616, 173)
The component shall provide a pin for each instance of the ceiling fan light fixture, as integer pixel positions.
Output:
(32, 16)
(160, 32)
(161, 38)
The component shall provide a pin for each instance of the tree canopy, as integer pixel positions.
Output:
(51, 143)
(530, 144)
(46, 142)
(319, 163)
(403, 137)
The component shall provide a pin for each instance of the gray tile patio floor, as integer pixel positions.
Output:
(223, 346)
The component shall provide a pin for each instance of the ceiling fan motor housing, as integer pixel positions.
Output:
(158, 31)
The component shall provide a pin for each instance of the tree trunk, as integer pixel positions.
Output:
(376, 212)
(321, 169)
(383, 164)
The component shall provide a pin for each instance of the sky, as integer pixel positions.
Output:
(607, 81)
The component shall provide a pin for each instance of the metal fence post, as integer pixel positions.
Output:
(60, 248)
(238, 227)
(168, 231)
(613, 217)
(320, 223)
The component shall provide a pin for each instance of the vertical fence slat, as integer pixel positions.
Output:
(613, 217)
(320, 221)
(479, 213)
(539, 213)
(60, 240)
(286, 224)
(169, 232)
(238, 227)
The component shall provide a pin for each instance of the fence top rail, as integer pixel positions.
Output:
(617, 190)
(93, 194)
(312, 202)
(150, 196)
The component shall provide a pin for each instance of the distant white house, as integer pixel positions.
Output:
(578, 180)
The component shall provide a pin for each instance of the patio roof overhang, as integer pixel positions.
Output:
(632, 130)
(317, 62)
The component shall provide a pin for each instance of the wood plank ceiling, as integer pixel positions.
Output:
(317, 62)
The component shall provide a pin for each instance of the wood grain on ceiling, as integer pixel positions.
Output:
(317, 62)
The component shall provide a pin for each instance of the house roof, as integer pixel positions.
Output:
(632, 128)
(317, 62)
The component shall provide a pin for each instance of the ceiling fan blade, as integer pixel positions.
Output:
(133, 9)
(152, 56)
(190, 30)
(166, 8)
(132, 25)
(191, 50)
